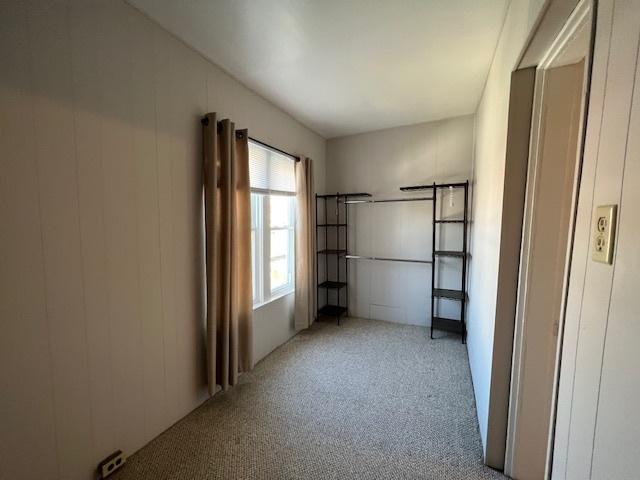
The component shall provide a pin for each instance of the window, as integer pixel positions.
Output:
(272, 222)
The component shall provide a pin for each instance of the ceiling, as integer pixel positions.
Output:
(346, 66)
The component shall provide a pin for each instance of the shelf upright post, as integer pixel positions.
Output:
(346, 249)
(433, 257)
(337, 229)
(463, 304)
(326, 246)
(317, 302)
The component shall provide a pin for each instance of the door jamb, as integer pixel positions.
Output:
(577, 20)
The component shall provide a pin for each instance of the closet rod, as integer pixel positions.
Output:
(384, 259)
(415, 199)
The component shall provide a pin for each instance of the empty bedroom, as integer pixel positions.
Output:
(305, 239)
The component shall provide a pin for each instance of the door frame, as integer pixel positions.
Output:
(583, 16)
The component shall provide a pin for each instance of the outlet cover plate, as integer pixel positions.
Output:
(604, 226)
(112, 463)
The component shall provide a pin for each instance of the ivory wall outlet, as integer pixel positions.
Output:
(604, 228)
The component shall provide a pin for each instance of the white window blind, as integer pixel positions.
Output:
(271, 172)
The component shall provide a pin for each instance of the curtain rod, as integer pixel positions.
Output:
(255, 140)
(205, 121)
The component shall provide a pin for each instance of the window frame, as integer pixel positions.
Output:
(257, 247)
(288, 287)
(261, 241)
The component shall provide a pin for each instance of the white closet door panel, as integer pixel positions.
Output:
(617, 436)
(587, 312)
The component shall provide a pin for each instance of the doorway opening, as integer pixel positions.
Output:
(558, 119)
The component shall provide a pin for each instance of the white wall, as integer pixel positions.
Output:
(380, 163)
(101, 263)
(488, 180)
(597, 429)
(616, 438)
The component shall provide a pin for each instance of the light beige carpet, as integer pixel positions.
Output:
(365, 400)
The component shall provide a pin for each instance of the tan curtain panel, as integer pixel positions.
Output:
(228, 252)
(305, 245)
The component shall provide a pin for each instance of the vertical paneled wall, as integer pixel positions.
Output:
(101, 254)
(380, 163)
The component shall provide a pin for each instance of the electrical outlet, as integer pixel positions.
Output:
(112, 463)
(604, 233)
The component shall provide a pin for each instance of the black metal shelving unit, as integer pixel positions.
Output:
(440, 323)
(338, 283)
(340, 255)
